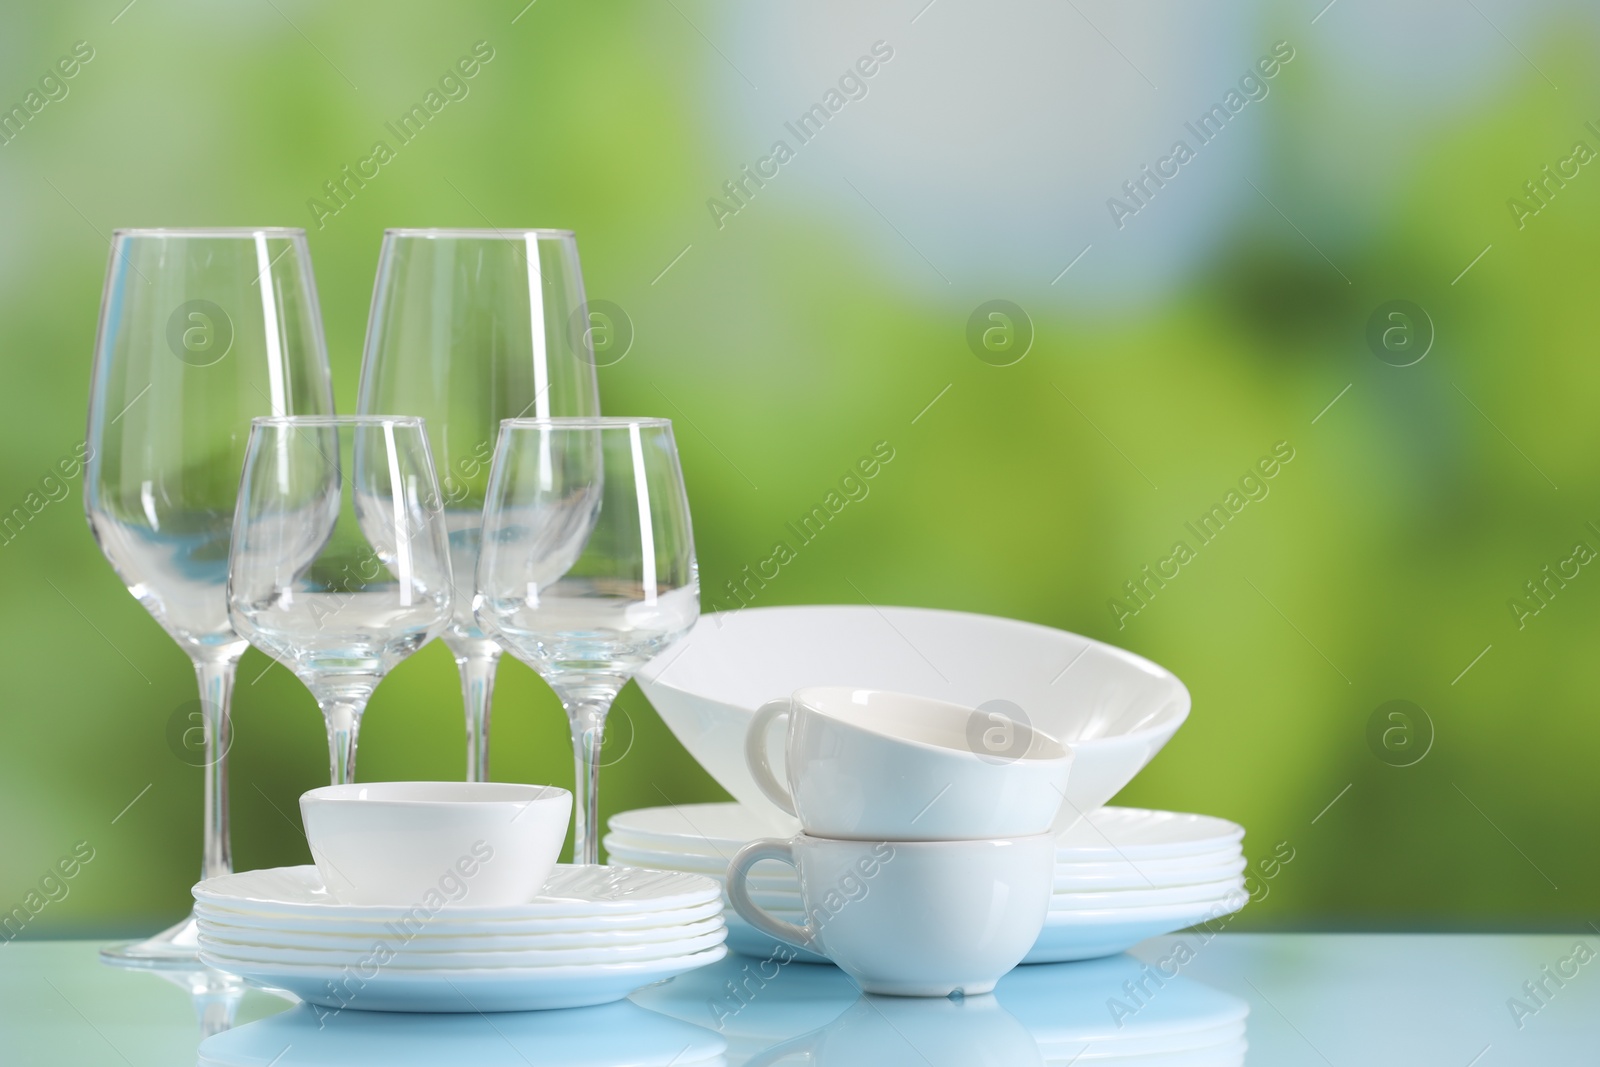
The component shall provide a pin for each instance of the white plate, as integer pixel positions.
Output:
(444, 925)
(572, 891)
(1175, 864)
(1144, 876)
(1134, 834)
(771, 871)
(486, 990)
(715, 829)
(621, 1033)
(1117, 899)
(1088, 935)
(712, 833)
(244, 934)
(746, 940)
(397, 957)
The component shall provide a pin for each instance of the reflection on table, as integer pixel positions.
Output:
(1118, 1009)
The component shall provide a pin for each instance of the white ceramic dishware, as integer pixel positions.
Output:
(403, 956)
(868, 764)
(675, 926)
(443, 844)
(1069, 935)
(1137, 835)
(910, 918)
(594, 935)
(1144, 898)
(1114, 710)
(573, 891)
(381, 988)
(1073, 878)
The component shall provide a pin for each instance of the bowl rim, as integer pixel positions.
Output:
(505, 794)
(1172, 715)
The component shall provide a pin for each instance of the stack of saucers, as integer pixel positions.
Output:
(701, 839)
(593, 936)
(1125, 874)
(1122, 874)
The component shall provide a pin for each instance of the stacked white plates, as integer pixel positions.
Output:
(1122, 874)
(1127, 874)
(593, 936)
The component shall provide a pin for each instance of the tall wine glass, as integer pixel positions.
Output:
(200, 331)
(339, 568)
(587, 569)
(469, 327)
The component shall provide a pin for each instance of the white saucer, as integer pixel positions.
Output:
(1148, 874)
(1087, 935)
(573, 891)
(1117, 899)
(428, 941)
(715, 830)
(451, 924)
(476, 990)
(1134, 834)
(395, 955)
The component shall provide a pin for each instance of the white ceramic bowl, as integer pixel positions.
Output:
(439, 844)
(1113, 709)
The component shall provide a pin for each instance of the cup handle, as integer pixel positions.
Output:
(755, 753)
(748, 910)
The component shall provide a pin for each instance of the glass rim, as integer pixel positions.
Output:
(585, 422)
(337, 420)
(485, 233)
(209, 231)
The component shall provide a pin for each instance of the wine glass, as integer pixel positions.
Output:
(200, 330)
(469, 327)
(339, 568)
(587, 569)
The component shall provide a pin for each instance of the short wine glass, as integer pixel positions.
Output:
(339, 567)
(587, 569)
(469, 327)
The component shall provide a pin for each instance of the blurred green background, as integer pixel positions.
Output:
(831, 311)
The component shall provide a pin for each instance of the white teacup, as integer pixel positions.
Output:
(441, 844)
(875, 765)
(910, 918)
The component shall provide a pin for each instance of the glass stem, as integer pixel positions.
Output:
(588, 719)
(216, 699)
(344, 721)
(477, 689)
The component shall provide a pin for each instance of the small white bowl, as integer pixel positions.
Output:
(435, 844)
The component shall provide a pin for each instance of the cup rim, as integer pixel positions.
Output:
(1027, 758)
(511, 794)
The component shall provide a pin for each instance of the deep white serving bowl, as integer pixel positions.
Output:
(1114, 709)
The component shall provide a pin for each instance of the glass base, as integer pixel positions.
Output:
(175, 947)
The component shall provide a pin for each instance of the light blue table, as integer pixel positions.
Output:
(1454, 1001)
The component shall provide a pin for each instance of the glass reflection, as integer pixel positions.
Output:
(610, 1035)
